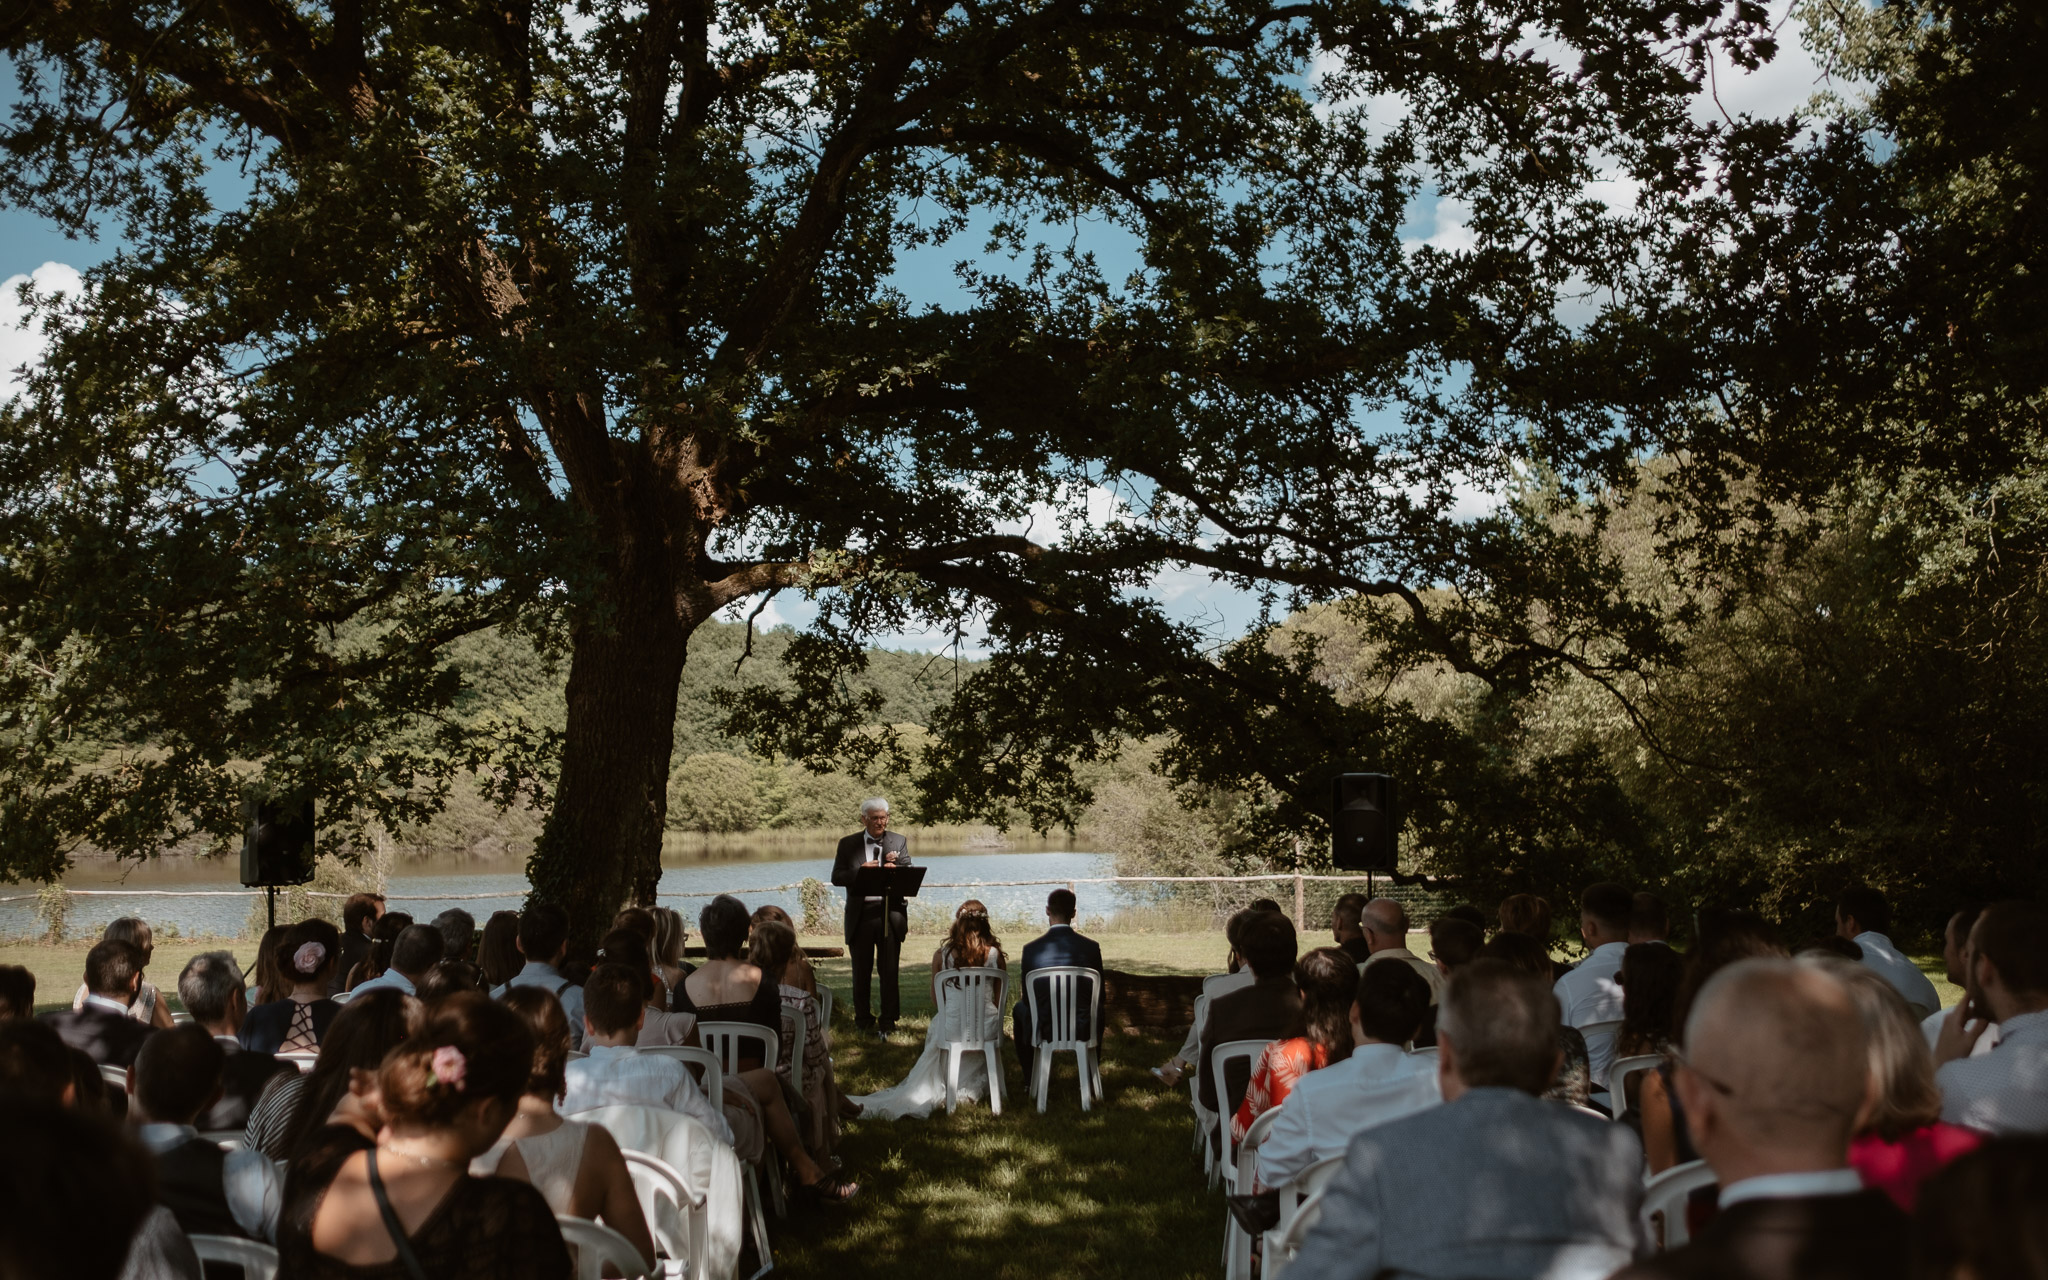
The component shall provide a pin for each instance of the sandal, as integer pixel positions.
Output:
(828, 1190)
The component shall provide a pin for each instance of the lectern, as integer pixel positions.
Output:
(885, 882)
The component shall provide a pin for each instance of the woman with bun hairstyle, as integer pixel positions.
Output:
(295, 1023)
(407, 1208)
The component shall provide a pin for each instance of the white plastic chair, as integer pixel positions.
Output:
(712, 1077)
(593, 1245)
(708, 1166)
(1624, 1070)
(1664, 1197)
(666, 1201)
(1205, 1124)
(972, 985)
(1063, 995)
(725, 1039)
(1424, 1051)
(116, 1076)
(825, 1007)
(1237, 1245)
(303, 1061)
(257, 1260)
(225, 1139)
(180, 1017)
(342, 997)
(1231, 1051)
(1301, 1204)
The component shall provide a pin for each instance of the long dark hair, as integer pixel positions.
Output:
(1328, 979)
(270, 976)
(1650, 974)
(367, 1028)
(971, 940)
(498, 955)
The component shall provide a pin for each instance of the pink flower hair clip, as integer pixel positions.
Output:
(308, 957)
(450, 1067)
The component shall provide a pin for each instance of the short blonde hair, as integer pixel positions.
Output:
(1907, 1096)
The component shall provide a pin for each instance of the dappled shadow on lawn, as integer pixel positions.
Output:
(1114, 1192)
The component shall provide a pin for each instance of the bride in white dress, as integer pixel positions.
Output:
(960, 1016)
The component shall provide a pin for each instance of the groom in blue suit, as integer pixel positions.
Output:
(1058, 945)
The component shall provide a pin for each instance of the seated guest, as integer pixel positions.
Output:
(799, 974)
(1832, 945)
(671, 935)
(1649, 978)
(1648, 921)
(295, 1022)
(1386, 938)
(622, 946)
(1986, 1215)
(458, 933)
(1380, 1081)
(211, 987)
(1469, 914)
(543, 940)
(2004, 1091)
(1237, 974)
(1775, 1071)
(1327, 982)
(34, 1064)
(407, 1206)
(377, 960)
(728, 988)
(103, 1028)
(1060, 945)
(211, 1192)
(576, 1166)
(266, 979)
(416, 950)
(341, 1088)
(1453, 943)
(1955, 966)
(1574, 1082)
(1589, 993)
(1495, 1182)
(770, 950)
(614, 1073)
(148, 1006)
(1864, 917)
(498, 953)
(1265, 1010)
(1901, 1139)
(17, 992)
(1344, 927)
(446, 978)
(359, 918)
(1527, 914)
(76, 1201)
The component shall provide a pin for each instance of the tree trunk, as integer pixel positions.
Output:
(601, 845)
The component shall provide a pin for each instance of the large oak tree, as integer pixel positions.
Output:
(582, 321)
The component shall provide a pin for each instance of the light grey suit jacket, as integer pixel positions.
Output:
(1495, 1186)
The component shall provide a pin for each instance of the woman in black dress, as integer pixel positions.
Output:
(293, 1021)
(405, 1208)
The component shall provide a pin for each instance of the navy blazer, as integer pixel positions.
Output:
(1059, 945)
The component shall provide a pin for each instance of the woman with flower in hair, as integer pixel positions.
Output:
(970, 945)
(295, 1022)
(406, 1208)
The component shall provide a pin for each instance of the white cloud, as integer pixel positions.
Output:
(21, 339)
(770, 618)
(1776, 89)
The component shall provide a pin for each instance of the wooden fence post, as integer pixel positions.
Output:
(1300, 903)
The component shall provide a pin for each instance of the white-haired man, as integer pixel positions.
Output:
(874, 926)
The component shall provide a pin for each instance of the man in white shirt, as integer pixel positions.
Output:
(1776, 1073)
(1955, 941)
(616, 1073)
(544, 941)
(416, 949)
(210, 1191)
(2004, 1091)
(1385, 923)
(1589, 993)
(1380, 1081)
(1863, 917)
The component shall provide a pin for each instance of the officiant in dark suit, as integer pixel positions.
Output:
(873, 927)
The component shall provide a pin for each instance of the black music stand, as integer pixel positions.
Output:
(886, 882)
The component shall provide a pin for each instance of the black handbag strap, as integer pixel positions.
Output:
(406, 1257)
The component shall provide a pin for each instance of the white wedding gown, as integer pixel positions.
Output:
(924, 1089)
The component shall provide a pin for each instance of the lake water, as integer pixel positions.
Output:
(687, 881)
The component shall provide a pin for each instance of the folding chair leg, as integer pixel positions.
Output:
(758, 1219)
(1081, 1073)
(1042, 1082)
(777, 1201)
(995, 1078)
(952, 1077)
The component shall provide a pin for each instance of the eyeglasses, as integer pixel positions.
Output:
(1678, 1059)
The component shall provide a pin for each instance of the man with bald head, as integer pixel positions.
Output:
(1775, 1079)
(1385, 925)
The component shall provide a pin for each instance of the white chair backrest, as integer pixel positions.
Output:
(712, 1070)
(706, 1163)
(257, 1260)
(116, 1076)
(1664, 1197)
(180, 1017)
(1624, 1070)
(1248, 1150)
(1425, 1051)
(665, 1202)
(303, 1061)
(1231, 1051)
(225, 1139)
(1063, 1001)
(726, 1039)
(992, 985)
(825, 1007)
(1301, 1203)
(594, 1246)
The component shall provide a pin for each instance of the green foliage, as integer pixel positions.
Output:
(712, 792)
(816, 898)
